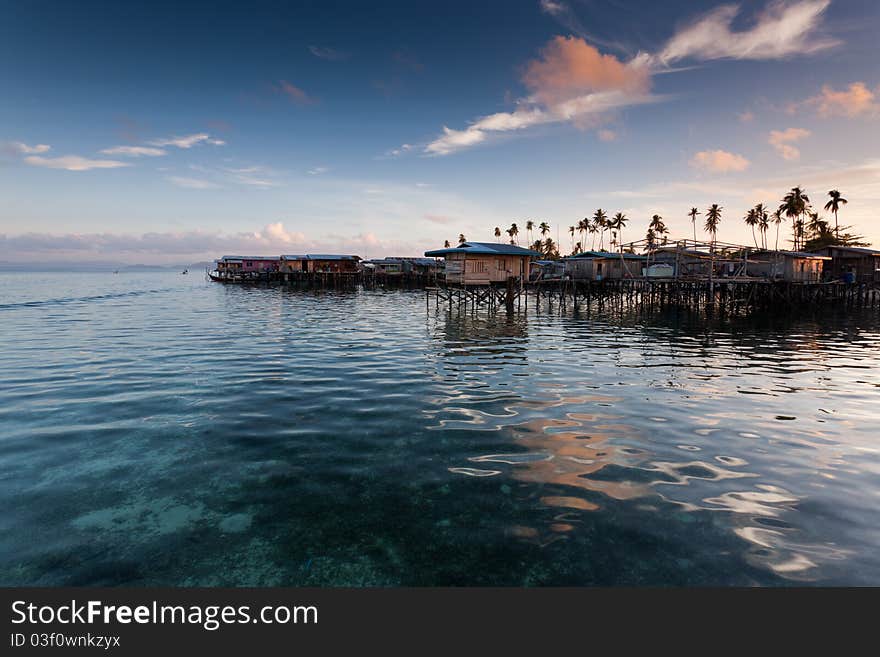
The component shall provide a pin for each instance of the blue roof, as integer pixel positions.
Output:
(485, 248)
(607, 254)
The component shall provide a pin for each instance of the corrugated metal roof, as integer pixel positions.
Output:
(793, 254)
(330, 256)
(236, 257)
(851, 249)
(485, 248)
(606, 254)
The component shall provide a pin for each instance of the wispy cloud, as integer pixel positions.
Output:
(746, 117)
(295, 94)
(134, 151)
(783, 140)
(439, 219)
(330, 54)
(20, 148)
(606, 135)
(72, 163)
(571, 82)
(719, 161)
(188, 141)
(192, 183)
(853, 101)
(781, 30)
(317, 171)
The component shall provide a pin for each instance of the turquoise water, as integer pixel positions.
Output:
(160, 429)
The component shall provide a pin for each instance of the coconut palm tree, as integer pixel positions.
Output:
(446, 244)
(461, 238)
(693, 215)
(583, 227)
(572, 229)
(514, 231)
(530, 226)
(594, 230)
(834, 205)
(600, 219)
(794, 205)
(544, 227)
(618, 222)
(658, 227)
(497, 233)
(713, 219)
(751, 220)
(650, 238)
(763, 223)
(777, 219)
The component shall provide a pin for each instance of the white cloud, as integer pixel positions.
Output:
(781, 30)
(719, 161)
(330, 54)
(134, 151)
(72, 163)
(23, 149)
(188, 141)
(782, 141)
(317, 171)
(192, 183)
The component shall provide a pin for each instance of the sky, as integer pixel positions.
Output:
(161, 133)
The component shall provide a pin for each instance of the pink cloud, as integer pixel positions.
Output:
(295, 94)
(719, 161)
(607, 135)
(571, 67)
(439, 219)
(782, 141)
(856, 100)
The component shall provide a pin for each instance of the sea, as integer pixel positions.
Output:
(162, 429)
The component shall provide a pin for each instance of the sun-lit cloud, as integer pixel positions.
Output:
(330, 54)
(572, 82)
(192, 183)
(134, 151)
(853, 101)
(781, 30)
(719, 161)
(20, 148)
(72, 163)
(606, 135)
(188, 141)
(295, 94)
(782, 141)
(746, 117)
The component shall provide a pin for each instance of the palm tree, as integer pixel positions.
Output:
(618, 222)
(544, 228)
(446, 244)
(834, 205)
(751, 220)
(497, 233)
(713, 218)
(794, 205)
(594, 229)
(514, 231)
(461, 238)
(600, 219)
(777, 219)
(530, 226)
(658, 227)
(650, 238)
(509, 232)
(693, 215)
(763, 223)
(583, 227)
(550, 250)
(571, 230)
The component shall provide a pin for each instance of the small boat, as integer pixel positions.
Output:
(185, 271)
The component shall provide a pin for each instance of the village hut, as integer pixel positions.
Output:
(484, 263)
(851, 263)
(791, 266)
(602, 265)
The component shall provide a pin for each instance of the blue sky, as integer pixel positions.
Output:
(164, 134)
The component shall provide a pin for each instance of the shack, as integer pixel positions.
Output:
(792, 266)
(547, 270)
(603, 265)
(853, 263)
(685, 262)
(400, 266)
(320, 263)
(247, 264)
(484, 263)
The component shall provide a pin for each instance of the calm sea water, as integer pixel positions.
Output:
(161, 429)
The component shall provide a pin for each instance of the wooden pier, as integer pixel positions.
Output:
(734, 296)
